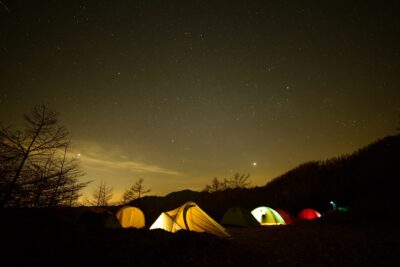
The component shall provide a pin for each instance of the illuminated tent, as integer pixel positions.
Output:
(130, 217)
(238, 216)
(285, 215)
(267, 216)
(189, 217)
(335, 207)
(308, 214)
(343, 209)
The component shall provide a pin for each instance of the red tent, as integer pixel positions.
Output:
(285, 215)
(308, 214)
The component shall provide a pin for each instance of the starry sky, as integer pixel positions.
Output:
(179, 92)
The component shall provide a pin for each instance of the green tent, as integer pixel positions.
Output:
(267, 216)
(238, 216)
(343, 209)
(95, 217)
(335, 207)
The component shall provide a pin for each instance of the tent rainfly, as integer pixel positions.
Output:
(285, 215)
(267, 216)
(130, 217)
(308, 214)
(238, 216)
(189, 217)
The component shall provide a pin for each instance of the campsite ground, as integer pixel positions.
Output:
(28, 241)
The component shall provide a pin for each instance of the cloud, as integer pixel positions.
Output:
(95, 156)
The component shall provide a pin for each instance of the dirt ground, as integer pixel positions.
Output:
(28, 242)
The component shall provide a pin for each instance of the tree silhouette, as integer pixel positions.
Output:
(216, 185)
(135, 191)
(33, 162)
(102, 195)
(236, 181)
(239, 181)
(66, 189)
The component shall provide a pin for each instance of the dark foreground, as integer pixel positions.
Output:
(29, 241)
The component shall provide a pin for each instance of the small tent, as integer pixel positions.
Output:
(335, 207)
(238, 216)
(189, 217)
(267, 216)
(285, 215)
(308, 214)
(96, 217)
(130, 217)
(343, 209)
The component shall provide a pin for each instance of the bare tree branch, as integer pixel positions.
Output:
(31, 171)
(135, 192)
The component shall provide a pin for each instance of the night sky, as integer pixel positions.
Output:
(179, 92)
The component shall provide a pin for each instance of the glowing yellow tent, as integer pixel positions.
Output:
(189, 217)
(267, 216)
(130, 217)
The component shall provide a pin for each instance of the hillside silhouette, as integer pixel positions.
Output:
(363, 180)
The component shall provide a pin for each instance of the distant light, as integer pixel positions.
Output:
(78, 155)
(254, 163)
